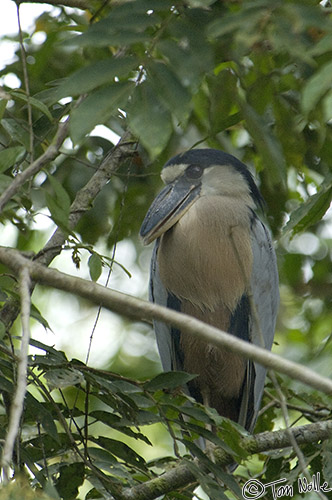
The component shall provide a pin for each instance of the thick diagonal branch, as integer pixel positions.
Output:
(142, 310)
(85, 197)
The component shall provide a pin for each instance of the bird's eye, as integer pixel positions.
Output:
(194, 172)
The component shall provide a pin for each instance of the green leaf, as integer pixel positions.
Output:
(104, 38)
(63, 377)
(169, 89)
(42, 415)
(168, 380)
(222, 112)
(210, 486)
(95, 75)
(106, 461)
(3, 330)
(232, 437)
(19, 94)
(16, 129)
(322, 46)
(109, 419)
(61, 195)
(115, 422)
(58, 356)
(312, 210)
(245, 20)
(149, 120)
(187, 51)
(71, 477)
(196, 413)
(101, 455)
(59, 204)
(125, 25)
(123, 386)
(97, 108)
(121, 450)
(95, 266)
(3, 105)
(316, 87)
(58, 214)
(36, 314)
(267, 145)
(224, 477)
(10, 156)
(108, 33)
(6, 385)
(94, 494)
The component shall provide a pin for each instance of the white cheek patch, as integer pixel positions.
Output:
(172, 172)
(224, 180)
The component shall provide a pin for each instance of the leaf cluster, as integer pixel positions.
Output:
(81, 424)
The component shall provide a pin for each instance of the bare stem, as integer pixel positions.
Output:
(26, 83)
(49, 155)
(17, 405)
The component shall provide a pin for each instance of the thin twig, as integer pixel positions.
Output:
(26, 83)
(112, 260)
(16, 409)
(319, 413)
(49, 155)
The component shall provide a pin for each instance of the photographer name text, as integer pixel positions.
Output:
(254, 489)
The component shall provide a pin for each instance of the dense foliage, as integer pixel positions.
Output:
(252, 78)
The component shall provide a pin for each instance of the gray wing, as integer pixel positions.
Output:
(159, 295)
(168, 338)
(265, 295)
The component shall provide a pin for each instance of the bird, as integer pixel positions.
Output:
(213, 259)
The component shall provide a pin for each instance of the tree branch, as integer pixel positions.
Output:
(142, 310)
(181, 475)
(17, 405)
(50, 154)
(85, 197)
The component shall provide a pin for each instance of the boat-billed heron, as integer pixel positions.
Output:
(213, 259)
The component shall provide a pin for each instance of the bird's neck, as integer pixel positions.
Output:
(206, 258)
